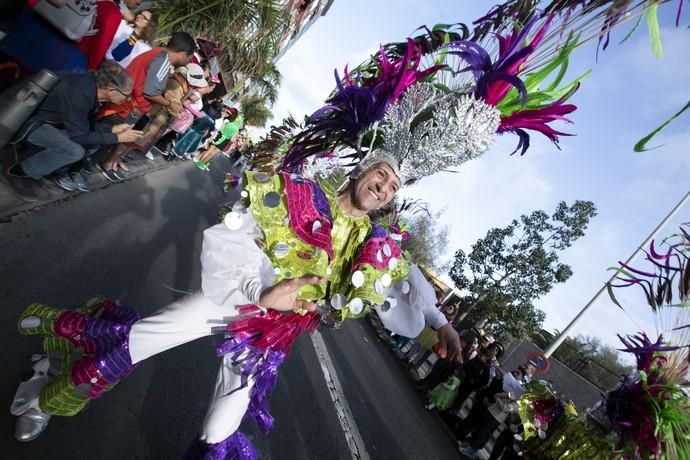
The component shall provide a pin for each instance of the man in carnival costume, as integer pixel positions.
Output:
(293, 253)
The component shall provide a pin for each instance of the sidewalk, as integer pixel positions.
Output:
(11, 204)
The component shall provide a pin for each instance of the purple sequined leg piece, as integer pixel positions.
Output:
(123, 315)
(111, 337)
(236, 447)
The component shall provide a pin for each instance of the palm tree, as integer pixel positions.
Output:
(255, 110)
(249, 31)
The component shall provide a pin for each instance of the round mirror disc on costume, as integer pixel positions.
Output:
(385, 307)
(386, 280)
(378, 287)
(262, 178)
(338, 301)
(358, 279)
(316, 226)
(405, 288)
(281, 249)
(329, 271)
(244, 194)
(286, 221)
(392, 302)
(233, 220)
(272, 199)
(392, 263)
(276, 271)
(356, 306)
(379, 256)
(387, 250)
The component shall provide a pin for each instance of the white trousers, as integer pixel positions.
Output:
(180, 322)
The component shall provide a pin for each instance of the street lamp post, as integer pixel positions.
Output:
(561, 337)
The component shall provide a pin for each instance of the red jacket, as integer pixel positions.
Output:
(138, 70)
(108, 17)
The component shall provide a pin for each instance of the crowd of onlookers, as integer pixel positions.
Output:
(119, 94)
(478, 398)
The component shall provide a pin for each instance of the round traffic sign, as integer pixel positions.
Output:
(539, 361)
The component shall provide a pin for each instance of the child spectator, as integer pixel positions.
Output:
(223, 140)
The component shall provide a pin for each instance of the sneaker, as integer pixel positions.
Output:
(149, 155)
(88, 166)
(23, 186)
(111, 175)
(65, 182)
(79, 181)
(201, 165)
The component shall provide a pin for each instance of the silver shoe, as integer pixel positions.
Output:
(30, 425)
(28, 391)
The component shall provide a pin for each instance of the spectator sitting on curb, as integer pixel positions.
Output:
(150, 72)
(64, 126)
(222, 141)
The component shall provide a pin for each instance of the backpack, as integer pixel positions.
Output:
(74, 20)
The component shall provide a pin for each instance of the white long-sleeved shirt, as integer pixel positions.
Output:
(234, 271)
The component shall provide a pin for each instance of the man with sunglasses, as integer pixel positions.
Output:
(64, 128)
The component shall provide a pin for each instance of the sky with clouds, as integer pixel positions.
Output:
(627, 95)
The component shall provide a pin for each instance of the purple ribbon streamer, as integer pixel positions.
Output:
(262, 366)
(235, 447)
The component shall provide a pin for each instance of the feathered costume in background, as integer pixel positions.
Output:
(647, 415)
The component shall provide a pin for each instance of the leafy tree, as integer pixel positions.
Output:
(511, 267)
(427, 242)
(254, 110)
(505, 319)
(250, 34)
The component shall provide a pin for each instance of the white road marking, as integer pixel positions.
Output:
(342, 409)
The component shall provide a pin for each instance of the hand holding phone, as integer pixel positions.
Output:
(129, 135)
(141, 123)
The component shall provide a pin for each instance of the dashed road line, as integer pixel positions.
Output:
(342, 409)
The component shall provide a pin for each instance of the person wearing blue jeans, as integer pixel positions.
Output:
(65, 127)
(59, 153)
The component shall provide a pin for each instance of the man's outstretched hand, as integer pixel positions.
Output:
(449, 341)
(283, 296)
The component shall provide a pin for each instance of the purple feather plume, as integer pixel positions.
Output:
(357, 104)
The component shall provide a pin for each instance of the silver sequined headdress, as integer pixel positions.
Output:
(410, 107)
(428, 131)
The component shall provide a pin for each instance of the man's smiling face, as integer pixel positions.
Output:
(375, 187)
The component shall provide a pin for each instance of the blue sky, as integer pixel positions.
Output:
(628, 94)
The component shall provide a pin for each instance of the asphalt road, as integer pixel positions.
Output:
(136, 240)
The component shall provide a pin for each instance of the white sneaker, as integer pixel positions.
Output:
(149, 155)
(28, 391)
